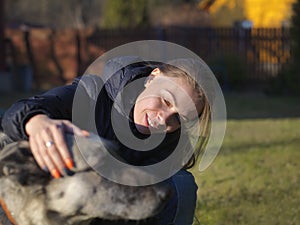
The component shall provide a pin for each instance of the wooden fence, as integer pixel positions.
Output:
(60, 55)
(263, 51)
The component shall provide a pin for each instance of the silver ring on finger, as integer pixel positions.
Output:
(49, 144)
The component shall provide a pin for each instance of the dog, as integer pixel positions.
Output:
(30, 196)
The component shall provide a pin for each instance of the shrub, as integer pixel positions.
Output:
(230, 70)
(288, 80)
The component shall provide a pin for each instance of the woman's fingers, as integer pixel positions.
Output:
(50, 149)
(49, 154)
(73, 129)
(61, 145)
(48, 144)
(53, 161)
(36, 153)
(41, 156)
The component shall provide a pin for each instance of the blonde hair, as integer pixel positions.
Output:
(204, 116)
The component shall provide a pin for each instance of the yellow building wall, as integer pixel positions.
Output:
(263, 13)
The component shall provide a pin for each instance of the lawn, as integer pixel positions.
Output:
(255, 179)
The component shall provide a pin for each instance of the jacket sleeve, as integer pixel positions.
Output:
(56, 103)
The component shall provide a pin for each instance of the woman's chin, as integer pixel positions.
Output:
(142, 129)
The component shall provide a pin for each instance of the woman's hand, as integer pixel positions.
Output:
(48, 145)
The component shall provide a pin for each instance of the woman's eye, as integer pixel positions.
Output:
(168, 103)
(177, 117)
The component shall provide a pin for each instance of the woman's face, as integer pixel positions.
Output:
(164, 103)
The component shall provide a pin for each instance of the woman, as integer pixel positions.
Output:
(165, 99)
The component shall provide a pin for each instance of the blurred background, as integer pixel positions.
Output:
(253, 48)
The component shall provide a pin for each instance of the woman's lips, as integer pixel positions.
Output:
(152, 124)
(149, 122)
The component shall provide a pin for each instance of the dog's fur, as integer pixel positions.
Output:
(82, 196)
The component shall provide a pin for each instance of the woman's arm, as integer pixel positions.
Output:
(56, 103)
(44, 120)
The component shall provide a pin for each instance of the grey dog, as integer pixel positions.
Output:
(31, 196)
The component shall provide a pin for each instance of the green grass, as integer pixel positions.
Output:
(255, 179)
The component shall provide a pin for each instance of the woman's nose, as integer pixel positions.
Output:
(164, 116)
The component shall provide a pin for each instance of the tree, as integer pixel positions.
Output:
(295, 31)
(125, 14)
(55, 13)
(293, 79)
(288, 80)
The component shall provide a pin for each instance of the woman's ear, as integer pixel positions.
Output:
(156, 72)
(153, 74)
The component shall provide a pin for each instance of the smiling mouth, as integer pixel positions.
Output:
(150, 123)
(153, 124)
